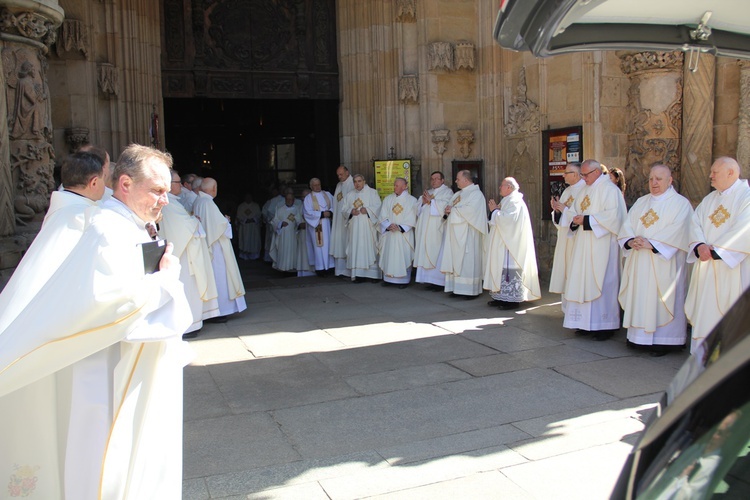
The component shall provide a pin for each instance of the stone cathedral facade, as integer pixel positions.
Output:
(419, 79)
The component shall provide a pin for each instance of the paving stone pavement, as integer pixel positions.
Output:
(326, 389)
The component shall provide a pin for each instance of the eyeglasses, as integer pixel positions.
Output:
(566, 173)
(586, 174)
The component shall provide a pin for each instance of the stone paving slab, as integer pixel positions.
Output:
(491, 365)
(382, 420)
(405, 378)
(583, 475)
(509, 339)
(558, 355)
(212, 351)
(489, 485)
(383, 332)
(395, 355)
(235, 442)
(622, 377)
(273, 383)
(289, 343)
(261, 313)
(392, 479)
(203, 399)
(298, 472)
(454, 444)
(309, 491)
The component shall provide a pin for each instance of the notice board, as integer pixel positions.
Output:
(559, 147)
(386, 172)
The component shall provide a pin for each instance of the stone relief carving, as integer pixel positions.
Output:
(464, 55)
(73, 36)
(29, 130)
(523, 114)
(174, 29)
(440, 56)
(440, 138)
(76, 137)
(743, 128)
(406, 11)
(643, 61)
(322, 20)
(107, 79)
(408, 89)
(655, 125)
(29, 25)
(465, 139)
(523, 168)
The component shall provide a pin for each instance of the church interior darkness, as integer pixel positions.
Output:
(248, 144)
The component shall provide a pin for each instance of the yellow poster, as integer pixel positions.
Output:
(386, 172)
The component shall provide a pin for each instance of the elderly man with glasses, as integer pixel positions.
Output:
(593, 277)
(561, 218)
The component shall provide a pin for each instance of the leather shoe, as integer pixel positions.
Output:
(402, 286)
(507, 306)
(217, 319)
(604, 335)
(190, 335)
(495, 303)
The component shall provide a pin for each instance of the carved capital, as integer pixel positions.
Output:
(636, 62)
(73, 36)
(464, 55)
(440, 138)
(32, 25)
(440, 56)
(522, 114)
(465, 139)
(107, 79)
(408, 89)
(76, 137)
(406, 11)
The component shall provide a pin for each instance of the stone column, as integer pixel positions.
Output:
(27, 157)
(743, 129)
(697, 129)
(655, 107)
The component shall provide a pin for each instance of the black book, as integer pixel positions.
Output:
(152, 254)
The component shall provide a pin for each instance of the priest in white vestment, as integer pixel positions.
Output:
(428, 251)
(187, 196)
(248, 219)
(593, 277)
(304, 268)
(465, 230)
(285, 223)
(655, 239)
(510, 271)
(360, 213)
(268, 211)
(561, 219)
(339, 233)
(229, 286)
(188, 239)
(719, 249)
(318, 212)
(398, 216)
(84, 176)
(98, 359)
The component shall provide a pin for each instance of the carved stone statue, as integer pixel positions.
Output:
(523, 114)
(28, 118)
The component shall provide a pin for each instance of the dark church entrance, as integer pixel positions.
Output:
(251, 92)
(251, 145)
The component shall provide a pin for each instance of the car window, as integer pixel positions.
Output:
(703, 462)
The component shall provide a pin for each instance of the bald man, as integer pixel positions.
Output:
(655, 239)
(229, 287)
(317, 210)
(719, 246)
(339, 232)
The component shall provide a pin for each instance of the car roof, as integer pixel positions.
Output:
(550, 27)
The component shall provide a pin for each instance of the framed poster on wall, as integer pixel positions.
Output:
(386, 172)
(559, 147)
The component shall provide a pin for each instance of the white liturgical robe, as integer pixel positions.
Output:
(284, 248)
(268, 211)
(428, 249)
(463, 252)
(196, 273)
(652, 290)
(318, 229)
(722, 220)
(362, 246)
(564, 246)
(593, 277)
(511, 271)
(187, 198)
(339, 233)
(248, 230)
(397, 247)
(112, 428)
(231, 291)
